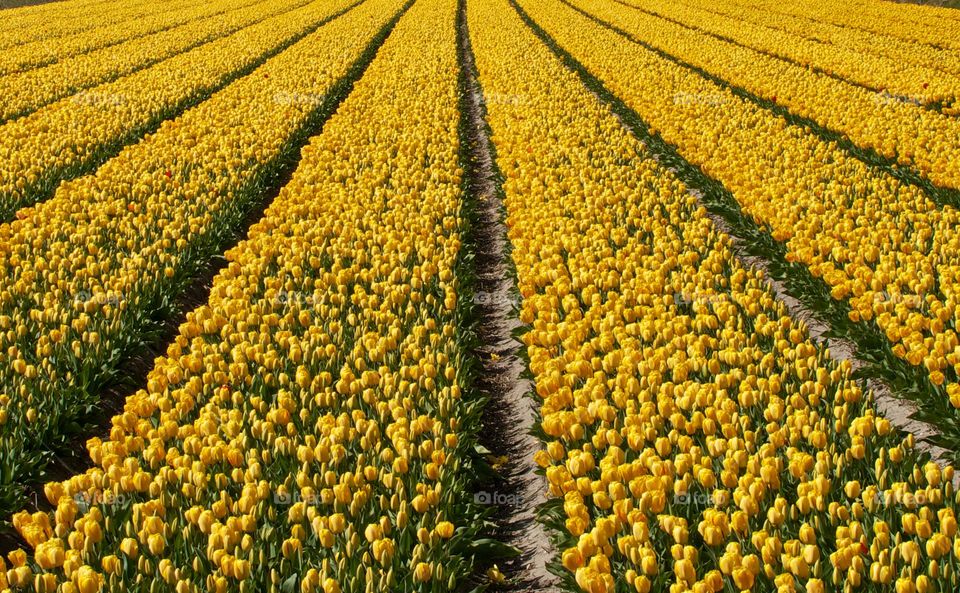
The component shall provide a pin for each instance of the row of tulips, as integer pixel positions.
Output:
(939, 28)
(25, 92)
(901, 131)
(28, 24)
(46, 51)
(695, 439)
(926, 15)
(896, 80)
(74, 135)
(842, 39)
(41, 12)
(880, 247)
(85, 273)
(308, 429)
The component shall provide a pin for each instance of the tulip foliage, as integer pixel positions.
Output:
(86, 272)
(695, 438)
(74, 135)
(308, 428)
(879, 248)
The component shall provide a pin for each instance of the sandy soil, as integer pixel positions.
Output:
(510, 412)
(897, 410)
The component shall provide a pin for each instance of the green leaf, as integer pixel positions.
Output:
(488, 549)
(289, 585)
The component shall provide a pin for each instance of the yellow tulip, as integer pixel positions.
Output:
(423, 572)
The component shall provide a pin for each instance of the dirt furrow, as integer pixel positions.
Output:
(510, 412)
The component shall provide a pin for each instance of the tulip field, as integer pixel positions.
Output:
(246, 306)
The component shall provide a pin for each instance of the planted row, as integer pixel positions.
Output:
(46, 51)
(76, 134)
(91, 271)
(894, 79)
(899, 131)
(843, 39)
(695, 439)
(883, 252)
(308, 430)
(938, 29)
(60, 19)
(25, 92)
